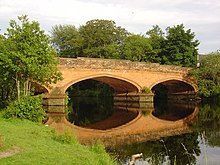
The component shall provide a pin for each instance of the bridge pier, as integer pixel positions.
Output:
(134, 97)
(139, 101)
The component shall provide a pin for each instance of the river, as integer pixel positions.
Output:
(200, 146)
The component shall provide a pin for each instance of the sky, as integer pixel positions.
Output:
(136, 16)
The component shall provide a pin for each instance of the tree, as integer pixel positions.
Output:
(180, 48)
(27, 56)
(136, 48)
(208, 75)
(97, 38)
(6, 83)
(102, 38)
(156, 38)
(67, 41)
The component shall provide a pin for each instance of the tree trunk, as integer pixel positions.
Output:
(27, 87)
(18, 87)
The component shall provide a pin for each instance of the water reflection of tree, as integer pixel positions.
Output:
(208, 123)
(87, 110)
(181, 150)
(90, 101)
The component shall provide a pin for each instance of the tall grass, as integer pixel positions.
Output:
(41, 145)
(1, 142)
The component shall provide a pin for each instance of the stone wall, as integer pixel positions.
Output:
(107, 64)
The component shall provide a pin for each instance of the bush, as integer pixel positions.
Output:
(145, 90)
(28, 107)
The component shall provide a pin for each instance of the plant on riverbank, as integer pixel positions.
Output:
(208, 76)
(41, 145)
(28, 107)
(26, 56)
(65, 138)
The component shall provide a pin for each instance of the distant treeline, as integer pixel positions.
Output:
(104, 39)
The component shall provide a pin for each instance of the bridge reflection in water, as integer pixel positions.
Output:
(130, 124)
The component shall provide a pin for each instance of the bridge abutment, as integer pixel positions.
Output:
(54, 103)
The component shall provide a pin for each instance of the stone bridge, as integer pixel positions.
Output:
(128, 79)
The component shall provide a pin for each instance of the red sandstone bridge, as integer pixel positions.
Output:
(127, 79)
(124, 76)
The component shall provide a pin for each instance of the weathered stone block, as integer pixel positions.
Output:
(54, 109)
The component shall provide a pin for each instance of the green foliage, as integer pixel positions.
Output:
(208, 75)
(208, 122)
(136, 48)
(67, 41)
(177, 47)
(27, 57)
(101, 38)
(28, 107)
(145, 90)
(180, 47)
(156, 39)
(97, 38)
(6, 83)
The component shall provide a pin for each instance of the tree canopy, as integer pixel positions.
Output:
(104, 39)
(156, 39)
(66, 40)
(136, 48)
(97, 39)
(180, 48)
(27, 57)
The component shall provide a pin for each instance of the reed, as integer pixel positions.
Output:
(187, 153)
(204, 147)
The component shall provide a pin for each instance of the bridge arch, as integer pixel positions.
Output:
(119, 84)
(177, 80)
(39, 89)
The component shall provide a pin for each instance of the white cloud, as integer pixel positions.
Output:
(136, 16)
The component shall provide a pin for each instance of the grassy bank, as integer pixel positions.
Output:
(37, 144)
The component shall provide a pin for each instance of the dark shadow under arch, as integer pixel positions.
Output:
(38, 88)
(173, 100)
(173, 87)
(119, 85)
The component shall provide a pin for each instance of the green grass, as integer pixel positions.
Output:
(40, 145)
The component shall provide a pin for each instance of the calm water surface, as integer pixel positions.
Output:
(201, 146)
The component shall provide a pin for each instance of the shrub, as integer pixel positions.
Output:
(28, 107)
(145, 90)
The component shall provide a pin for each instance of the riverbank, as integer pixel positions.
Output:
(25, 142)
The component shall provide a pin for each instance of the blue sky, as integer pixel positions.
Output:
(201, 16)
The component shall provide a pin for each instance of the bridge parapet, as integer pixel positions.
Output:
(107, 64)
